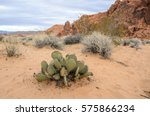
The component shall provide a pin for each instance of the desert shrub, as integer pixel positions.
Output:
(73, 39)
(116, 40)
(98, 43)
(109, 26)
(10, 40)
(52, 42)
(29, 39)
(145, 41)
(11, 50)
(39, 43)
(125, 42)
(26, 39)
(134, 42)
(62, 70)
(1, 38)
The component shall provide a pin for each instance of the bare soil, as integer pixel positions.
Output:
(125, 75)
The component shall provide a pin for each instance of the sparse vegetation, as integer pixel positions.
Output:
(72, 39)
(52, 42)
(84, 25)
(39, 43)
(26, 39)
(1, 38)
(110, 27)
(134, 42)
(11, 50)
(116, 40)
(63, 70)
(98, 43)
(55, 42)
(145, 41)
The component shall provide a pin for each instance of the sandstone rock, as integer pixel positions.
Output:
(55, 29)
(67, 27)
(132, 15)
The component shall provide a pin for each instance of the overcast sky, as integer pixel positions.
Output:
(23, 15)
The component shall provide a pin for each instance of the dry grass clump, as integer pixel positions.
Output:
(73, 39)
(51, 41)
(1, 38)
(133, 43)
(98, 43)
(11, 50)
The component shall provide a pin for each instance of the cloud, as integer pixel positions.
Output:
(45, 13)
(21, 28)
(4, 8)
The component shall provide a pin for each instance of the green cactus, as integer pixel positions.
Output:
(87, 74)
(77, 77)
(64, 74)
(56, 55)
(62, 61)
(80, 65)
(40, 77)
(44, 67)
(56, 77)
(65, 81)
(63, 70)
(84, 70)
(51, 70)
(77, 71)
(57, 64)
(70, 64)
(72, 56)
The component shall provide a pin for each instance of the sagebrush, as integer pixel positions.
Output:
(145, 41)
(98, 43)
(52, 42)
(133, 42)
(11, 50)
(73, 39)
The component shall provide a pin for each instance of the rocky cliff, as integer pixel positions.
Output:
(130, 18)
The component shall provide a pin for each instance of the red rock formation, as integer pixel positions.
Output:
(55, 29)
(133, 16)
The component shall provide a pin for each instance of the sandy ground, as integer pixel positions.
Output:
(126, 75)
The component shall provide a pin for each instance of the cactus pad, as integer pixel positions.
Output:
(56, 55)
(57, 64)
(51, 70)
(70, 64)
(40, 77)
(44, 66)
(56, 77)
(72, 56)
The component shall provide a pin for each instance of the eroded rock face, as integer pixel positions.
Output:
(133, 15)
(67, 27)
(55, 29)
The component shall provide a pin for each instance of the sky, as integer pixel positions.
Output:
(34, 15)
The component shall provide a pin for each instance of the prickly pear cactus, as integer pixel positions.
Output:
(44, 67)
(63, 70)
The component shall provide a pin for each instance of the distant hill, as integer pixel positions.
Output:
(19, 32)
(4, 32)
